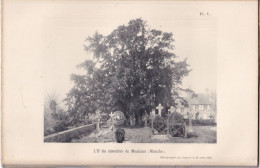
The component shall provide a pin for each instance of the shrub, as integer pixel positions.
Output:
(75, 135)
(201, 122)
(66, 138)
(206, 122)
(60, 115)
(191, 134)
(78, 124)
(48, 131)
(61, 126)
(87, 122)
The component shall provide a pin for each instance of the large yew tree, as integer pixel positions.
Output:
(133, 70)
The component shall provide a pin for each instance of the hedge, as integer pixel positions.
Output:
(201, 122)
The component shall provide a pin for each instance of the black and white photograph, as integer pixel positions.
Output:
(140, 78)
(129, 83)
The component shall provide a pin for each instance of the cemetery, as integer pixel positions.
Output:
(156, 129)
(131, 91)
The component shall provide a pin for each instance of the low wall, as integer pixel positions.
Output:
(68, 135)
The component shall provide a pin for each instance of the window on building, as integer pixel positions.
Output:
(201, 107)
(196, 107)
(193, 107)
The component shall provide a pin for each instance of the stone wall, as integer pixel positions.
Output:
(68, 135)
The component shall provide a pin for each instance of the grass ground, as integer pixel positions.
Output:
(206, 134)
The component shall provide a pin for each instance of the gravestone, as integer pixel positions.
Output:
(159, 108)
(116, 118)
(172, 126)
(159, 124)
(177, 130)
(119, 118)
(111, 121)
(177, 125)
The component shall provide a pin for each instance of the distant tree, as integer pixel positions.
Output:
(134, 69)
(213, 99)
(55, 118)
(51, 101)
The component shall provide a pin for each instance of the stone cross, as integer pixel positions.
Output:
(159, 108)
(112, 120)
(111, 114)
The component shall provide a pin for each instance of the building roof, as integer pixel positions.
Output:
(199, 99)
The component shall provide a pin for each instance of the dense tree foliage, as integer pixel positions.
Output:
(133, 70)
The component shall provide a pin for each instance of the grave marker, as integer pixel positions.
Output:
(177, 126)
(159, 108)
(118, 117)
(112, 120)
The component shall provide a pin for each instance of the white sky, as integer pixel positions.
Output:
(66, 29)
